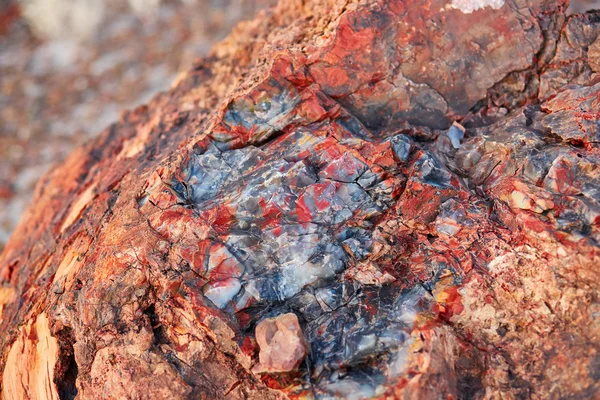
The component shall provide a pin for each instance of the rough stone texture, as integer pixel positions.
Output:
(311, 166)
(282, 344)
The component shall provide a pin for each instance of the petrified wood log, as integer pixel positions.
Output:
(348, 199)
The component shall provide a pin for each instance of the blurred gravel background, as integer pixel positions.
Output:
(68, 67)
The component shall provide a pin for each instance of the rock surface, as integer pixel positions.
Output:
(282, 344)
(307, 187)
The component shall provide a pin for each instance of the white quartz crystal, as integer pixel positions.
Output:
(468, 6)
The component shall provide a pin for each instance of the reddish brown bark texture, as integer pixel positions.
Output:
(298, 217)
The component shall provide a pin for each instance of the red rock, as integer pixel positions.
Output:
(301, 191)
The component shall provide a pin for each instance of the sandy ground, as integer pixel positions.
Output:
(67, 72)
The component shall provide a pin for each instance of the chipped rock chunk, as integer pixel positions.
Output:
(456, 133)
(31, 361)
(282, 344)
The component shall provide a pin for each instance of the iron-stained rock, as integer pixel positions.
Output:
(381, 199)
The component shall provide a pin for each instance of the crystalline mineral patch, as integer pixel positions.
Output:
(381, 199)
(282, 344)
(468, 6)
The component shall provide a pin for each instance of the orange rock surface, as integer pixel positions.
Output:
(401, 196)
